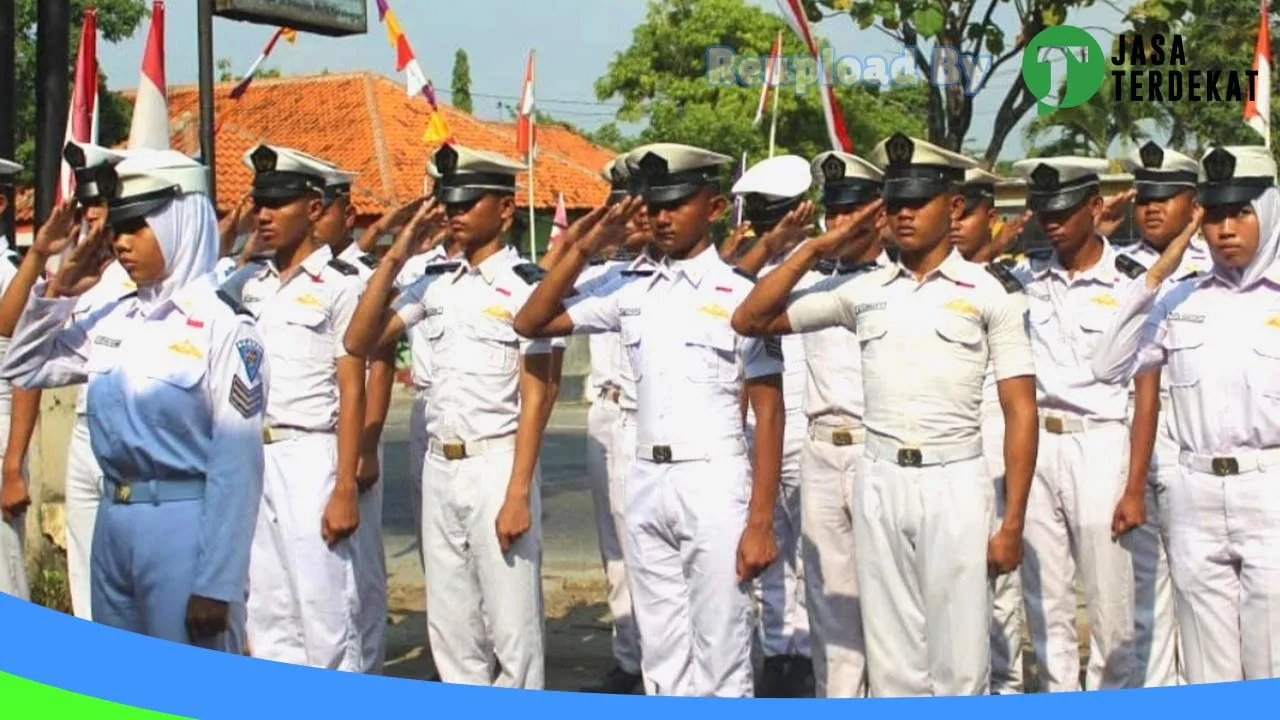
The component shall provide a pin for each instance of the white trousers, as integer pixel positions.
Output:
(1156, 612)
(1224, 550)
(371, 577)
(922, 536)
(784, 619)
(829, 480)
(304, 607)
(1007, 619)
(83, 495)
(484, 607)
(603, 427)
(684, 522)
(417, 461)
(1079, 479)
(13, 560)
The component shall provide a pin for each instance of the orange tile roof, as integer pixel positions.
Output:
(364, 122)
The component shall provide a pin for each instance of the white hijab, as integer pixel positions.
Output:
(187, 231)
(1267, 208)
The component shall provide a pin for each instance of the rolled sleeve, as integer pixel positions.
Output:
(408, 304)
(761, 357)
(1007, 337)
(598, 312)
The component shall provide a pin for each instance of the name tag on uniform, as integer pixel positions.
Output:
(1038, 296)
(1184, 317)
(629, 312)
(106, 341)
(434, 311)
(867, 307)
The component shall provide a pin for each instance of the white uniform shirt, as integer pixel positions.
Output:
(605, 348)
(175, 392)
(1221, 352)
(466, 314)
(8, 269)
(604, 282)
(833, 383)
(303, 321)
(926, 345)
(419, 346)
(1067, 318)
(1195, 260)
(114, 284)
(688, 363)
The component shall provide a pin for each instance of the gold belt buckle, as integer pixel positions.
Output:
(266, 435)
(840, 438)
(1053, 425)
(1225, 466)
(455, 450)
(910, 457)
(123, 493)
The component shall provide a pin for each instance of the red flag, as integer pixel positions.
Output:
(1257, 109)
(794, 15)
(150, 128)
(771, 75)
(82, 115)
(560, 222)
(526, 140)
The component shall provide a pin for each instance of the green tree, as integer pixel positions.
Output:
(461, 81)
(1217, 35)
(1091, 128)
(117, 20)
(971, 28)
(223, 66)
(663, 77)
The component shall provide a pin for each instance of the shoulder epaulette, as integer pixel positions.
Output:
(1006, 277)
(596, 261)
(440, 268)
(1007, 260)
(1189, 276)
(855, 268)
(1130, 267)
(369, 261)
(236, 307)
(343, 267)
(743, 273)
(638, 272)
(529, 272)
(826, 267)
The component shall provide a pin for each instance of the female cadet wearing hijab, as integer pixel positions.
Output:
(1218, 336)
(176, 385)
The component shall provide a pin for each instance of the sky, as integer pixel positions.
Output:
(574, 41)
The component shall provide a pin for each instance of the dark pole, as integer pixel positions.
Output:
(8, 139)
(53, 50)
(205, 42)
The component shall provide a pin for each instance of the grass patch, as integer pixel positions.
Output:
(48, 582)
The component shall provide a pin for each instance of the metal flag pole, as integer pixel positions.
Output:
(773, 127)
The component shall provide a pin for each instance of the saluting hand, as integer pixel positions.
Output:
(757, 549)
(82, 269)
(612, 228)
(341, 514)
(1114, 211)
(846, 228)
(729, 248)
(58, 231)
(236, 223)
(514, 520)
(1169, 260)
(1008, 235)
(789, 231)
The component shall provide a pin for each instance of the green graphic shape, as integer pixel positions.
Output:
(21, 699)
(1083, 77)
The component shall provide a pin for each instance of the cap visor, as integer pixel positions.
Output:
(671, 193)
(279, 193)
(1229, 194)
(132, 210)
(1160, 191)
(1060, 201)
(913, 189)
(848, 195)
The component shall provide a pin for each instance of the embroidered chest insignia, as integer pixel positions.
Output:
(186, 348)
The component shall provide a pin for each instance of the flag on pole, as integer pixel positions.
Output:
(150, 128)
(82, 115)
(416, 82)
(290, 37)
(771, 75)
(560, 222)
(793, 13)
(526, 134)
(437, 132)
(1257, 109)
(738, 205)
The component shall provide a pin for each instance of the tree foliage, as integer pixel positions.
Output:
(662, 77)
(117, 20)
(970, 27)
(461, 81)
(225, 74)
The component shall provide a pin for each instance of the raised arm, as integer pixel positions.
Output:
(375, 323)
(787, 233)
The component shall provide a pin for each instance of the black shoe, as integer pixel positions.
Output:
(618, 682)
(799, 681)
(772, 682)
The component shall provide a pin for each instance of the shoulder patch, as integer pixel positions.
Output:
(225, 297)
(529, 272)
(1130, 267)
(344, 267)
(744, 274)
(369, 261)
(638, 272)
(1006, 278)
(441, 268)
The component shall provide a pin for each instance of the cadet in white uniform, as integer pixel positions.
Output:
(177, 382)
(1217, 335)
(834, 437)
(1165, 184)
(699, 518)
(304, 604)
(1080, 500)
(486, 412)
(13, 488)
(971, 235)
(334, 229)
(925, 513)
(771, 190)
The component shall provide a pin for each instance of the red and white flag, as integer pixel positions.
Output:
(290, 35)
(82, 115)
(793, 13)
(526, 135)
(1257, 109)
(560, 222)
(150, 128)
(771, 74)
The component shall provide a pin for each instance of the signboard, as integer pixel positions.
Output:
(325, 17)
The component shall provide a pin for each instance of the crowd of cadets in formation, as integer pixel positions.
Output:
(849, 452)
